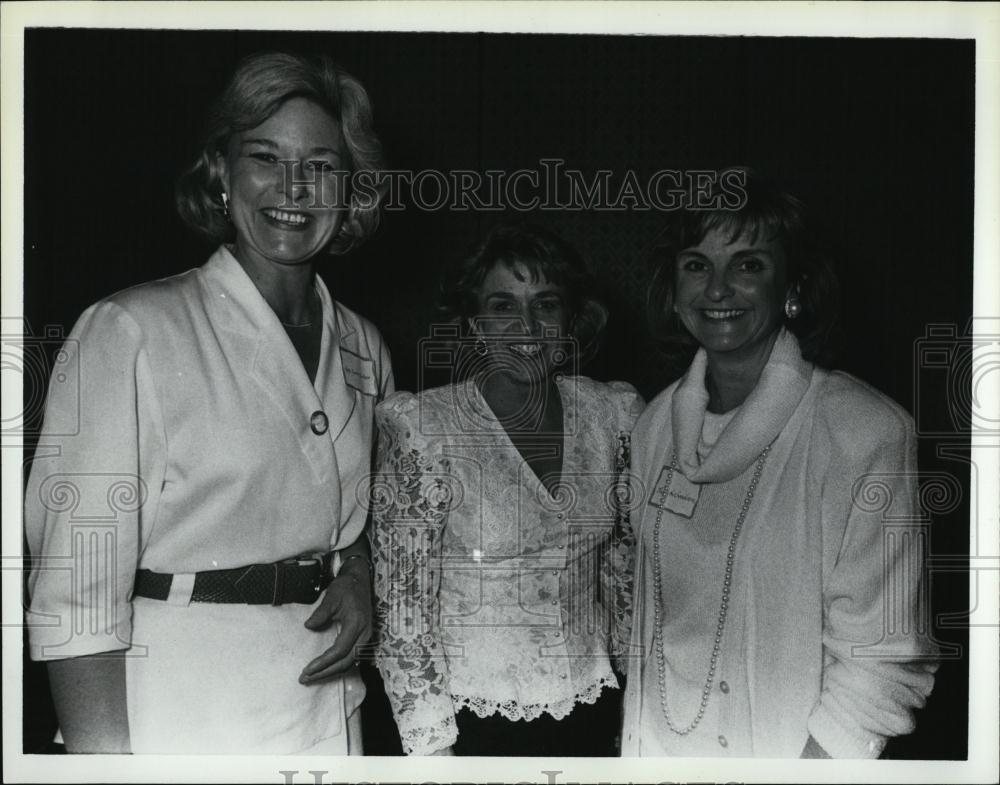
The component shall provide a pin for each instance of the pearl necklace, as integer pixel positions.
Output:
(723, 607)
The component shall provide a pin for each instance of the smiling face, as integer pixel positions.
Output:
(517, 318)
(730, 294)
(285, 185)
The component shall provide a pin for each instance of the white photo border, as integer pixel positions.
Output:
(815, 19)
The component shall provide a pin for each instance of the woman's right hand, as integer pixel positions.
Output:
(449, 750)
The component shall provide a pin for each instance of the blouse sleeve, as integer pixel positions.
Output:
(94, 483)
(878, 667)
(410, 501)
(619, 568)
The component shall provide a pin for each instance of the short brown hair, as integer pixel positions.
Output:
(766, 210)
(544, 254)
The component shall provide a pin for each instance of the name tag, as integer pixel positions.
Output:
(675, 492)
(359, 372)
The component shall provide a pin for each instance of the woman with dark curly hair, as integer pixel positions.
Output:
(237, 401)
(775, 614)
(498, 575)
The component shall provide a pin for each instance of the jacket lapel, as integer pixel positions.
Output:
(251, 335)
(336, 366)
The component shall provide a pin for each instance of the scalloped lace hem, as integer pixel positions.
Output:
(513, 710)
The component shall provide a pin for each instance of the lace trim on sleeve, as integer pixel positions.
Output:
(430, 739)
(411, 498)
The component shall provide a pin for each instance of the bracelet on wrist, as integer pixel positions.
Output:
(344, 562)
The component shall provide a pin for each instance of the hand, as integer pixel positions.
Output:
(347, 600)
(449, 750)
(813, 750)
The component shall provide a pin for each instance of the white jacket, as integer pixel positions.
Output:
(188, 444)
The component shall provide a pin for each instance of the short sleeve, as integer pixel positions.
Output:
(93, 482)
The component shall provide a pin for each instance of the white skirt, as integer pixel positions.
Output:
(223, 679)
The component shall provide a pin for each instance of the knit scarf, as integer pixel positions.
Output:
(760, 419)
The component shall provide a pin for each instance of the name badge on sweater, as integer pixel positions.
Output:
(675, 492)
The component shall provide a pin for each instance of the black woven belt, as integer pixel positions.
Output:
(299, 580)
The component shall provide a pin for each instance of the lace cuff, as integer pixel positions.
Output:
(428, 740)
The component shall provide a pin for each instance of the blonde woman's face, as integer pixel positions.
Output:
(285, 181)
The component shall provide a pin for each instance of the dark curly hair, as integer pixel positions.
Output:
(545, 255)
(766, 211)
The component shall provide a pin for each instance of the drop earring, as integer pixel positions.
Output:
(225, 204)
(792, 307)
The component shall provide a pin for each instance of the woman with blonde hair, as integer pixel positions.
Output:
(236, 401)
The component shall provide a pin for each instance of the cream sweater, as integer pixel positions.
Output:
(824, 635)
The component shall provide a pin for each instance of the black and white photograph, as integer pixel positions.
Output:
(601, 392)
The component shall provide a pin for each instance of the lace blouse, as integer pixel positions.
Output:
(491, 591)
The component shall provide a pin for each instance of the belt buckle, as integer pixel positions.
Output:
(312, 560)
(307, 559)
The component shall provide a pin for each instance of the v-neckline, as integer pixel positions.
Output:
(308, 347)
(524, 464)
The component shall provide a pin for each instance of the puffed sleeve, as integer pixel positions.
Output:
(619, 568)
(94, 484)
(409, 512)
(878, 659)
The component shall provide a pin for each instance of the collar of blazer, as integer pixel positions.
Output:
(251, 332)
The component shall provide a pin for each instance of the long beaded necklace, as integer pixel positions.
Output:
(723, 606)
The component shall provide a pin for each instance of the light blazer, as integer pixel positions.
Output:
(181, 439)
(181, 434)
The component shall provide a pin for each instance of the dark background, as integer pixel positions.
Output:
(875, 135)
